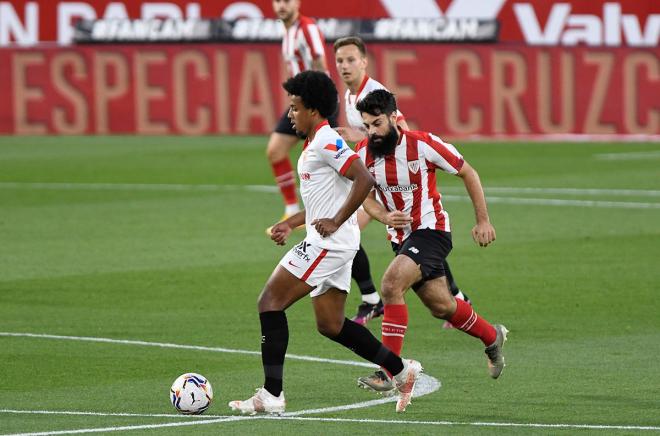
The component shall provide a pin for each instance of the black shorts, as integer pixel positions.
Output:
(428, 248)
(285, 127)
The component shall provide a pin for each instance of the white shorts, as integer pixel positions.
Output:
(321, 268)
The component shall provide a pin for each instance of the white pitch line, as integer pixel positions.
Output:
(275, 189)
(130, 427)
(183, 347)
(563, 191)
(463, 423)
(633, 155)
(425, 385)
(290, 417)
(136, 187)
(560, 202)
(110, 414)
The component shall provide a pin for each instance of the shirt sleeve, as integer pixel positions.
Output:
(442, 155)
(338, 155)
(314, 39)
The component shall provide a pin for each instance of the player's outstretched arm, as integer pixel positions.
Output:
(395, 219)
(483, 232)
(362, 184)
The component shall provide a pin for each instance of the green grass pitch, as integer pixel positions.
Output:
(161, 239)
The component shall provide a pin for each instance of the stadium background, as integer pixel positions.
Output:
(116, 223)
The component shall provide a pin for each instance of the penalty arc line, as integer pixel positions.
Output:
(425, 385)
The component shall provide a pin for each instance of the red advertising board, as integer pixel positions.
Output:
(535, 22)
(211, 89)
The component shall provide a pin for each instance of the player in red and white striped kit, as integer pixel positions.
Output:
(351, 63)
(303, 48)
(404, 164)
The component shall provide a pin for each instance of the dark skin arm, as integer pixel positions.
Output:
(362, 184)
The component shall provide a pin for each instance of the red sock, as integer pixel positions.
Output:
(466, 319)
(286, 180)
(394, 325)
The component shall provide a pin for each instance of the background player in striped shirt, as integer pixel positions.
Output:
(351, 62)
(404, 164)
(303, 48)
(334, 183)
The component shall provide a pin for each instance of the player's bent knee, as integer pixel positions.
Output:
(391, 290)
(329, 329)
(441, 310)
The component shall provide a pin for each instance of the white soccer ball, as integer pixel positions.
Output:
(191, 394)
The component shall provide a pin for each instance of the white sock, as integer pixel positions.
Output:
(291, 209)
(372, 298)
(460, 296)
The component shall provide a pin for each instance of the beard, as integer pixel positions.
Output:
(384, 145)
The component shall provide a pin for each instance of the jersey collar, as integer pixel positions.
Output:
(316, 129)
(362, 85)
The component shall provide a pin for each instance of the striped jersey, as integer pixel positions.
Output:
(352, 115)
(302, 43)
(324, 189)
(406, 181)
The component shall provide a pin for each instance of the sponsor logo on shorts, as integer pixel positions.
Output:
(414, 250)
(300, 250)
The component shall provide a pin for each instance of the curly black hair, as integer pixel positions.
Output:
(315, 89)
(377, 102)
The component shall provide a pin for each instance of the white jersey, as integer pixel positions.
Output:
(352, 115)
(324, 189)
(302, 43)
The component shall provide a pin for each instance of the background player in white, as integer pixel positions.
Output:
(334, 183)
(303, 48)
(351, 62)
(404, 164)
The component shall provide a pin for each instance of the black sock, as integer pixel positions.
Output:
(274, 340)
(360, 341)
(453, 287)
(361, 272)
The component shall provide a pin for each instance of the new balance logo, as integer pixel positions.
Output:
(414, 250)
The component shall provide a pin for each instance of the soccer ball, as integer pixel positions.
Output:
(191, 394)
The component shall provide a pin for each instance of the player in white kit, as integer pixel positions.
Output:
(333, 184)
(351, 63)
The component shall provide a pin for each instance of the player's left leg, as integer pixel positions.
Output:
(399, 276)
(371, 306)
(455, 290)
(436, 296)
(281, 291)
(330, 320)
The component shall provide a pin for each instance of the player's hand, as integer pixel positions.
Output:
(325, 226)
(350, 134)
(280, 232)
(397, 219)
(483, 234)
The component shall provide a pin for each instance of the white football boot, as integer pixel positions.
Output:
(405, 382)
(261, 402)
